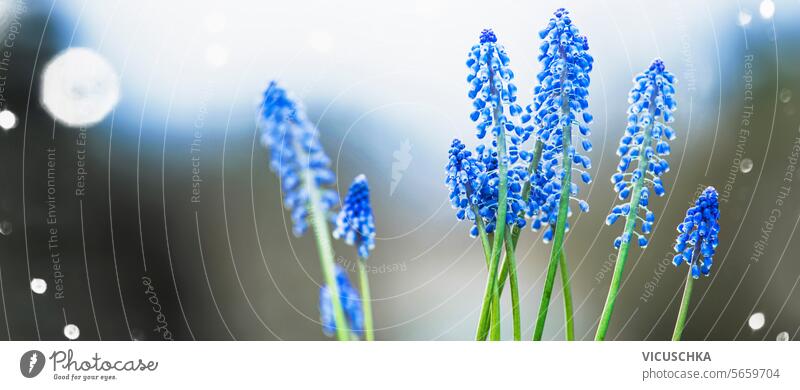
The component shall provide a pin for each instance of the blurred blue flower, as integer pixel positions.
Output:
(699, 234)
(494, 95)
(296, 154)
(652, 102)
(351, 305)
(355, 221)
(560, 103)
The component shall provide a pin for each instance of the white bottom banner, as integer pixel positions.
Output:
(399, 365)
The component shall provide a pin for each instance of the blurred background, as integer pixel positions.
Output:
(162, 220)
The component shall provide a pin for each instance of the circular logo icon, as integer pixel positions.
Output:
(31, 363)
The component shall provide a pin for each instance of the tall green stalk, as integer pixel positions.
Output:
(369, 331)
(566, 291)
(515, 230)
(630, 223)
(684, 310)
(491, 296)
(485, 243)
(561, 223)
(515, 233)
(322, 235)
(687, 297)
(514, 288)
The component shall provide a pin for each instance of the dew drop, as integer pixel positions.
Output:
(744, 18)
(79, 87)
(785, 95)
(72, 332)
(782, 336)
(767, 9)
(746, 165)
(756, 321)
(38, 286)
(6, 228)
(7, 120)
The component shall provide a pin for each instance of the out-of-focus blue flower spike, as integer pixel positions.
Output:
(296, 153)
(351, 305)
(355, 221)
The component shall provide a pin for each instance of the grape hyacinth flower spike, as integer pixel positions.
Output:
(349, 300)
(560, 105)
(697, 240)
(494, 101)
(297, 157)
(643, 149)
(356, 224)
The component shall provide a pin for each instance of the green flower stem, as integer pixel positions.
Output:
(322, 234)
(567, 292)
(514, 288)
(630, 223)
(561, 223)
(485, 240)
(491, 296)
(485, 243)
(526, 193)
(515, 230)
(687, 298)
(369, 331)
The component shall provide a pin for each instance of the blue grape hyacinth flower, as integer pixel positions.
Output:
(559, 108)
(355, 221)
(494, 95)
(642, 148)
(296, 154)
(560, 104)
(487, 191)
(462, 172)
(652, 102)
(699, 234)
(351, 304)
(472, 180)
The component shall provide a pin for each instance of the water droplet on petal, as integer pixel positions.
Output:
(782, 336)
(72, 332)
(785, 95)
(746, 165)
(756, 321)
(79, 87)
(38, 286)
(6, 228)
